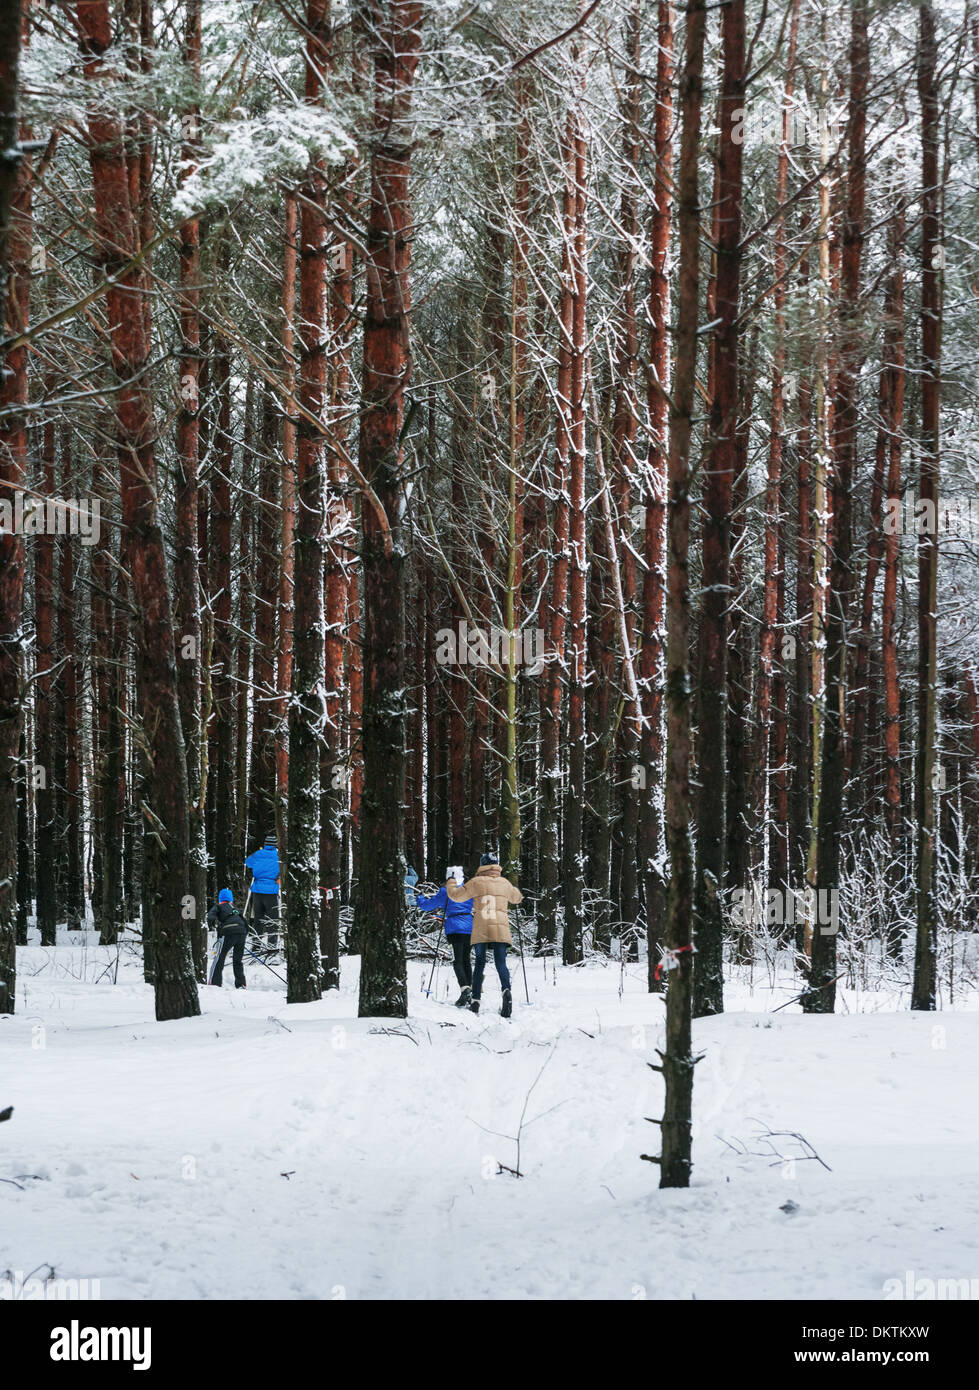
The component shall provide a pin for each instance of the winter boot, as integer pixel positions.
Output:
(474, 1005)
(463, 1001)
(507, 1009)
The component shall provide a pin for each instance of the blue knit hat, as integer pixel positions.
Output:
(226, 896)
(488, 859)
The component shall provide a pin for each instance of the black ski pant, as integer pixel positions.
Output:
(266, 906)
(233, 941)
(461, 959)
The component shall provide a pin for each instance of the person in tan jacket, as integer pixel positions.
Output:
(490, 893)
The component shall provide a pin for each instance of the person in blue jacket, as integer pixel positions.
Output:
(266, 871)
(458, 930)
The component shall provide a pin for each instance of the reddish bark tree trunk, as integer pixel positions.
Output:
(387, 362)
(820, 994)
(339, 555)
(716, 535)
(165, 789)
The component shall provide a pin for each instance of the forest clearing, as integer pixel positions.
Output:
(345, 1158)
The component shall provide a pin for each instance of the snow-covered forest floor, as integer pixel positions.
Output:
(265, 1151)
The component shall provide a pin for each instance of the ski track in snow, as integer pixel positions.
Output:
(151, 1155)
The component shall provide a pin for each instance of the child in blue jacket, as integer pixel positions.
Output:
(458, 930)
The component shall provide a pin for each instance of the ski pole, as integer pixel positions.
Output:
(265, 963)
(523, 963)
(258, 939)
(438, 950)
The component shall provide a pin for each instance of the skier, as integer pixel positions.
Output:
(233, 930)
(264, 865)
(489, 892)
(458, 930)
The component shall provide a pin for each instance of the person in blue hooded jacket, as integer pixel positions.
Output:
(266, 871)
(458, 930)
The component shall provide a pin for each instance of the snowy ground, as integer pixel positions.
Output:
(266, 1151)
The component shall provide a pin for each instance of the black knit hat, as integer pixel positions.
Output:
(489, 858)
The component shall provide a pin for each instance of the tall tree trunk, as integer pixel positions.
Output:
(773, 487)
(244, 630)
(387, 364)
(222, 769)
(335, 772)
(651, 847)
(572, 941)
(820, 994)
(283, 654)
(510, 827)
(46, 848)
(165, 789)
(722, 447)
(860, 674)
(819, 509)
(69, 739)
(601, 723)
(186, 574)
(307, 707)
(552, 692)
(15, 242)
(926, 941)
(678, 1060)
(114, 795)
(261, 792)
(802, 715)
(626, 471)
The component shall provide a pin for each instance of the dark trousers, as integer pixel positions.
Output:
(461, 962)
(499, 960)
(266, 906)
(233, 941)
